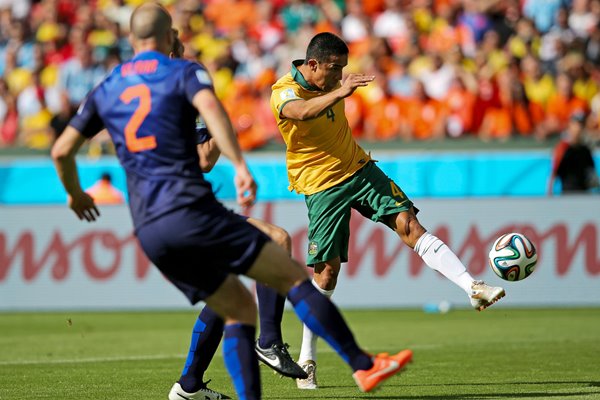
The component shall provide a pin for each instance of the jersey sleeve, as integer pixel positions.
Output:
(202, 133)
(196, 78)
(283, 95)
(86, 120)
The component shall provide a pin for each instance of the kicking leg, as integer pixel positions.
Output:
(438, 256)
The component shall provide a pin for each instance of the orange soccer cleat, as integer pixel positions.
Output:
(384, 366)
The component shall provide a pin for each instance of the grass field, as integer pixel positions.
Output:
(497, 354)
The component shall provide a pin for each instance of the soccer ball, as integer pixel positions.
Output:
(513, 257)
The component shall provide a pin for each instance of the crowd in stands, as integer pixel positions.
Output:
(444, 68)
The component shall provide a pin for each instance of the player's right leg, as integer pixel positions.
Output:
(324, 279)
(274, 268)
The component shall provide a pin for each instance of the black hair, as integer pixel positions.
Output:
(324, 45)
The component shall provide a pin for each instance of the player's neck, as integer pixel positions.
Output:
(142, 46)
(306, 73)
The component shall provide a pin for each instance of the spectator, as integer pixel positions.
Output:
(438, 79)
(384, 119)
(9, 121)
(35, 117)
(592, 46)
(80, 74)
(355, 25)
(542, 12)
(572, 162)
(18, 46)
(459, 103)
(391, 24)
(240, 39)
(561, 105)
(539, 87)
(296, 14)
(103, 192)
(424, 117)
(581, 19)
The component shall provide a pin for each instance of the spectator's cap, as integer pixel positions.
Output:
(578, 116)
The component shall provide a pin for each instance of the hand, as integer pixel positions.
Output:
(354, 81)
(83, 205)
(245, 186)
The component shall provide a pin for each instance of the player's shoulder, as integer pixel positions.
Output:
(194, 68)
(285, 88)
(286, 81)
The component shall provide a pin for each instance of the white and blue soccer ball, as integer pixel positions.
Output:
(513, 257)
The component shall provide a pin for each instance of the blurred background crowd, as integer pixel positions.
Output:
(445, 69)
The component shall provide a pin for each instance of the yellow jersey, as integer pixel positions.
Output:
(321, 151)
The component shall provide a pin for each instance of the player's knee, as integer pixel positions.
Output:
(244, 309)
(282, 238)
(408, 227)
(414, 230)
(326, 276)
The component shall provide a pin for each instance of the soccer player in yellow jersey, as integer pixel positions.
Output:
(335, 174)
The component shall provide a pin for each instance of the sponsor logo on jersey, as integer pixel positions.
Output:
(313, 248)
(203, 77)
(288, 94)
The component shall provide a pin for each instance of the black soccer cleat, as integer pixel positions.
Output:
(278, 358)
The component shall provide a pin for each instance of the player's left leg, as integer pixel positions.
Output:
(270, 346)
(381, 200)
(206, 336)
(235, 304)
(437, 255)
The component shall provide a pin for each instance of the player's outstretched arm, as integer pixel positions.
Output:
(307, 109)
(63, 154)
(218, 124)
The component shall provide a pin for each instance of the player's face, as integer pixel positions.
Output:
(329, 73)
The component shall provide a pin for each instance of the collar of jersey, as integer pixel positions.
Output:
(297, 75)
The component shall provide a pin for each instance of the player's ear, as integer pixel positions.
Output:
(312, 63)
(131, 38)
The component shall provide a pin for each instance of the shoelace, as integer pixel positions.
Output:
(205, 387)
(283, 348)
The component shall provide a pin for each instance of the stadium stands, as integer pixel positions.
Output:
(445, 69)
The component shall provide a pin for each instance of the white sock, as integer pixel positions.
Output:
(308, 350)
(438, 256)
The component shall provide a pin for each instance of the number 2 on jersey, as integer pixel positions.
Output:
(134, 143)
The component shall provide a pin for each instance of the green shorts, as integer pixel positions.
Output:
(369, 191)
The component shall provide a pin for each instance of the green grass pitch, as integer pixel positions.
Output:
(496, 354)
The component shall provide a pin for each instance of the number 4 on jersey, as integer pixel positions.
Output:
(396, 191)
(330, 114)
